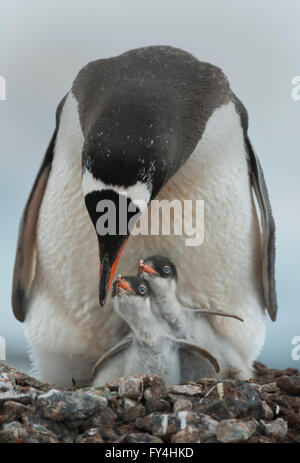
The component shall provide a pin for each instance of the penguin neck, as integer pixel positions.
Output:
(150, 330)
(170, 309)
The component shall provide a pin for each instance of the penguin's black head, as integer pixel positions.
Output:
(130, 286)
(158, 266)
(129, 154)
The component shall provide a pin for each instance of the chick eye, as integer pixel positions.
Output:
(167, 269)
(142, 289)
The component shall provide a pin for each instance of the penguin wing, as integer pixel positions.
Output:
(183, 344)
(119, 347)
(220, 312)
(268, 231)
(25, 254)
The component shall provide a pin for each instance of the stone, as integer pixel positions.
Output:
(69, 406)
(91, 436)
(233, 431)
(277, 429)
(188, 435)
(186, 389)
(238, 399)
(24, 395)
(290, 384)
(160, 424)
(131, 387)
(141, 438)
(207, 427)
(13, 432)
(154, 401)
(103, 418)
(182, 404)
(267, 411)
(270, 387)
(14, 408)
(130, 414)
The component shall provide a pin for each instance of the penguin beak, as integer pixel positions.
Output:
(122, 283)
(147, 268)
(108, 263)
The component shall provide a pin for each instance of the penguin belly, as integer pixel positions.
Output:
(140, 360)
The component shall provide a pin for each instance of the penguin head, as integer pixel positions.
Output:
(131, 299)
(161, 274)
(129, 154)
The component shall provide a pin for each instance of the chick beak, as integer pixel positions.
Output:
(122, 283)
(147, 268)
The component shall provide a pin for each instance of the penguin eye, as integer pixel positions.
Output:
(167, 269)
(142, 290)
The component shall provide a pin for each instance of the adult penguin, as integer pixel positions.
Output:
(151, 123)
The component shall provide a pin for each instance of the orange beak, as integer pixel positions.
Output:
(146, 268)
(107, 268)
(122, 283)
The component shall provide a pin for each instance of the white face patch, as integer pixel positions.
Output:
(139, 193)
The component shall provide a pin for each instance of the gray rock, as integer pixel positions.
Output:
(22, 395)
(182, 404)
(131, 387)
(277, 429)
(186, 389)
(160, 424)
(13, 432)
(188, 435)
(69, 406)
(290, 384)
(91, 436)
(235, 430)
(207, 426)
(270, 387)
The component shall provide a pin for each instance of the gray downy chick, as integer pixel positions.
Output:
(151, 346)
(191, 324)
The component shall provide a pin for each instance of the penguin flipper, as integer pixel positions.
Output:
(186, 345)
(25, 254)
(268, 231)
(218, 312)
(119, 347)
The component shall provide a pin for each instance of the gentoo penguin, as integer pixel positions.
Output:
(151, 347)
(188, 323)
(151, 123)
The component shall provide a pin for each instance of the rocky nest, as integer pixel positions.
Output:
(142, 409)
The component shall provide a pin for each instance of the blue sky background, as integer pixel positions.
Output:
(44, 44)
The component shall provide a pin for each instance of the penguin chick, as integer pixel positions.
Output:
(188, 323)
(151, 346)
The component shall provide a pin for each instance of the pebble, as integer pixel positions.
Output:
(187, 435)
(270, 387)
(233, 431)
(69, 406)
(290, 384)
(131, 387)
(182, 404)
(186, 389)
(277, 429)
